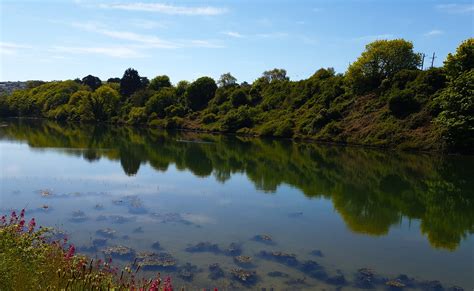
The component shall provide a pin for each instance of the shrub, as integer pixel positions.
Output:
(137, 115)
(236, 119)
(209, 118)
(284, 129)
(402, 103)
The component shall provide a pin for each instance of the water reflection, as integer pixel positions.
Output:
(372, 190)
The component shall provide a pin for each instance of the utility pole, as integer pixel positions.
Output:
(432, 60)
(422, 60)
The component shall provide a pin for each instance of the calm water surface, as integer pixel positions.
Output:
(344, 208)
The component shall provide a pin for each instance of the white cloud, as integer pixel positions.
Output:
(273, 35)
(144, 41)
(456, 8)
(148, 24)
(233, 34)
(167, 8)
(434, 32)
(118, 52)
(10, 48)
(149, 40)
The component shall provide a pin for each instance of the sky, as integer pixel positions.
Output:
(58, 40)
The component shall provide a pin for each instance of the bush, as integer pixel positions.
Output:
(209, 118)
(284, 129)
(236, 119)
(238, 98)
(137, 115)
(402, 103)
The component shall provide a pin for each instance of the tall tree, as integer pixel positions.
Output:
(382, 59)
(226, 80)
(130, 82)
(92, 81)
(275, 75)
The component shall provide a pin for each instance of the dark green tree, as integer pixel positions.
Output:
(200, 92)
(113, 80)
(130, 82)
(92, 81)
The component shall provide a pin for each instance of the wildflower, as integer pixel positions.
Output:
(31, 225)
(22, 213)
(70, 252)
(13, 217)
(21, 224)
(3, 220)
(168, 286)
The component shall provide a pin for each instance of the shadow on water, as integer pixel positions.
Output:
(371, 189)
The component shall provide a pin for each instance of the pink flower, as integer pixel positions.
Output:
(22, 213)
(13, 217)
(21, 224)
(168, 286)
(31, 225)
(70, 252)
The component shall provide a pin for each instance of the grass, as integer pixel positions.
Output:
(32, 259)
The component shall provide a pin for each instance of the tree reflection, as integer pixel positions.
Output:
(372, 190)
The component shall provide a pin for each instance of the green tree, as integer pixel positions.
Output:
(92, 81)
(275, 75)
(160, 101)
(382, 59)
(462, 61)
(226, 80)
(130, 82)
(160, 82)
(104, 102)
(113, 80)
(457, 115)
(200, 92)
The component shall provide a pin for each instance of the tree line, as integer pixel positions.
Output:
(383, 99)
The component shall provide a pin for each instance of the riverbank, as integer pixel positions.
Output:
(408, 109)
(38, 258)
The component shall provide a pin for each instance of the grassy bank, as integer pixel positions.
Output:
(34, 258)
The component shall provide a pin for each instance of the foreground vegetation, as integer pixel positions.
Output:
(372, 190)
(33, 259)
(384, 100)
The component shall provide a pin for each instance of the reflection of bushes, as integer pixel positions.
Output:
(371, 189)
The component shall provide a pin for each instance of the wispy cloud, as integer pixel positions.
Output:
(10, 48)
(144, 41)
(167, 8)
(148, 24)
(272, 35)
(373, 37)
(149, 40)
(233, 34)
(434, 32)
(456, 8)
(118, 52)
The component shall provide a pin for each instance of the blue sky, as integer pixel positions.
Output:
(53, 40)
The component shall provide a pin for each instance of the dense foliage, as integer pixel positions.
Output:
(382, 100)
